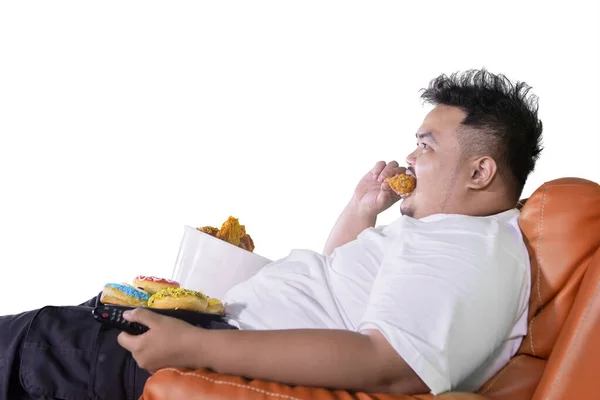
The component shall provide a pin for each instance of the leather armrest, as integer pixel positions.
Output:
(179, 383)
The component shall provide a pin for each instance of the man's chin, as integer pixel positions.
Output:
(406, 209)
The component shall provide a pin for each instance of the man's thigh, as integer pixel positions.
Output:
(66, 353)
(13, 329)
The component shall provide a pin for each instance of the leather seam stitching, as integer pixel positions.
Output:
(238, 385)
(539, 265)
(539, 242)
(531, 335)
(499, 375)
(576, 344)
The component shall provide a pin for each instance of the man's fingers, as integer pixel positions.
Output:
(386, 196)
(379, 166)
(144, 317)
(386, 189)
(127, 341)
(388, 171)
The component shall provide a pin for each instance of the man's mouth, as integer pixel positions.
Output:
(410, 171)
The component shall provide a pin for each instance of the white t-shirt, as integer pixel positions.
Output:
(449, 292)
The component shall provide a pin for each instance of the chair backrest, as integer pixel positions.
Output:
(561, 225)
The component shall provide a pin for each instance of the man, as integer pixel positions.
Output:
(435, 301)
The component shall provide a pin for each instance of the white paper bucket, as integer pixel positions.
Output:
(213, 266)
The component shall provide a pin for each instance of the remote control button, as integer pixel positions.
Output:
(104, 315)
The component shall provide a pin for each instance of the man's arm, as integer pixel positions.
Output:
(333, 359)
(350, 223)
(371, 196)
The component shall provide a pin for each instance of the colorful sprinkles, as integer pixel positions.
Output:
(130, 291)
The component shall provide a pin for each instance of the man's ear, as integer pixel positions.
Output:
(482, 173)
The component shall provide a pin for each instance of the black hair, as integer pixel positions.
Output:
(502, 119)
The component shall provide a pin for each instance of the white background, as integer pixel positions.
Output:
(121, 122)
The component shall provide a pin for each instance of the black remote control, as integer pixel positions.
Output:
(113, 316)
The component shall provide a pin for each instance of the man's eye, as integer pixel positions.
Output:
(423, 145)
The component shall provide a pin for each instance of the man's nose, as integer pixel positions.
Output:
(410, 159)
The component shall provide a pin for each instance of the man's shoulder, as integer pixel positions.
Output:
(479, 244)
(435, 222)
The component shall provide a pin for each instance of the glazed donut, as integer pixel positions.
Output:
(179, 299)
(402, 183)
(215, 306)
(123, 294)
(152, 284)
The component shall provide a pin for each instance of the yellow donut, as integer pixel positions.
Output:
(215, 306)
(179, 299)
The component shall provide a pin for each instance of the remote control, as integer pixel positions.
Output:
(113, 316)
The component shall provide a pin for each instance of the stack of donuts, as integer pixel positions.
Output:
(153, 292)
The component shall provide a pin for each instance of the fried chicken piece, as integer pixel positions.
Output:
(231, 231)
(402, 183)
(247, 243)
(211, 230)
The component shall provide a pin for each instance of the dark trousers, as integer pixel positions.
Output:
(64, 353)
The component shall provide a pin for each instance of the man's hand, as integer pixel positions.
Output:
(166, 344)
(372, 194)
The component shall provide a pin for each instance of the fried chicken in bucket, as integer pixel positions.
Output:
(232, 232)
(246, 241)
(211, 230)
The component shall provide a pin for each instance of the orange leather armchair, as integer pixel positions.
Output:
(559, 357)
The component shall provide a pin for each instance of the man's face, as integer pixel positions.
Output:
(436, 165)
